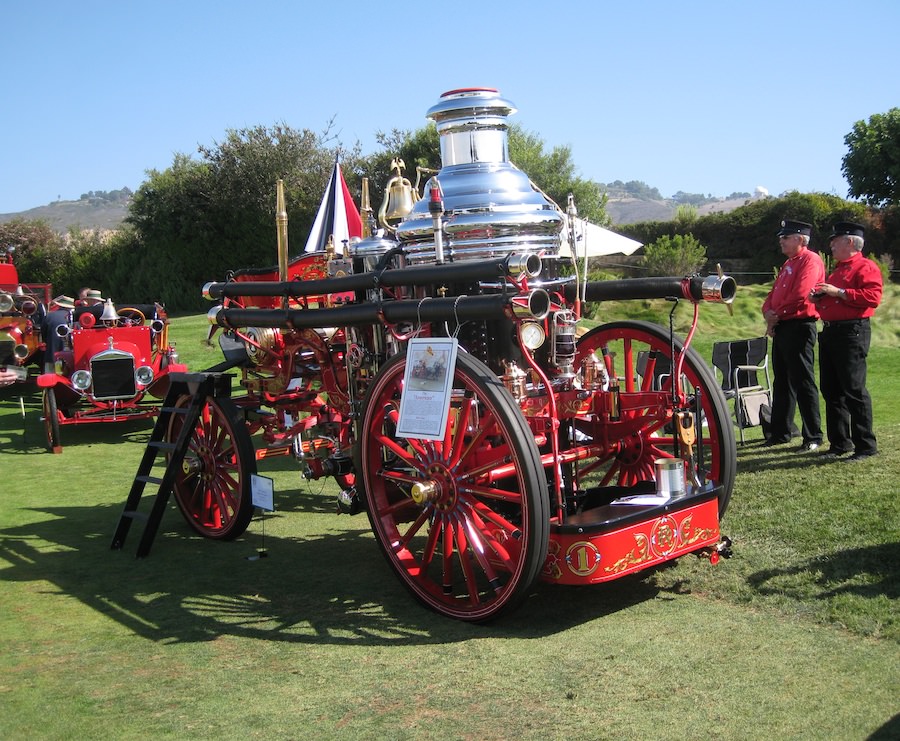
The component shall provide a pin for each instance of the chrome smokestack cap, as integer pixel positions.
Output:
(490, 207)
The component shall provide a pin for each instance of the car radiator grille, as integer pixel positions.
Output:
(113, 378)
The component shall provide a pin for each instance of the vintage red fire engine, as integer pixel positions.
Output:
(22, 308)
(540, 452)
(105, 365)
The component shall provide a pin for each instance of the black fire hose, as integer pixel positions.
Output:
(534, 305)
(719, 289)
(469, 272)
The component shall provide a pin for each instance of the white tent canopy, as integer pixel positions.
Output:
(593, 241)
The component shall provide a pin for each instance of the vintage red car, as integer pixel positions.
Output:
(108, 365)
(22, 309)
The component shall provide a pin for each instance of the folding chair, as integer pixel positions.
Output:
(743, 364)
(662, 369)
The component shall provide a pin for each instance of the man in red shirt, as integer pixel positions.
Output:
(791, 322)
(845, 303)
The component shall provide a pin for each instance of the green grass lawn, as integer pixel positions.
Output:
(796, 636)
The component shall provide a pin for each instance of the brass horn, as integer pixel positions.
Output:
(399, 197)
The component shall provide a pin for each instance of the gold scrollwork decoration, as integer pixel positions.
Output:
(688, 535)
(551, 564)
(636, 556)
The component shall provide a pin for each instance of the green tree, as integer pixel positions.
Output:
(685, 215)
(39, 253)
(632, 189)
(200, 218)
(693, 199)
(246, 165)
(554, 172)
(419, 148)
(748, 232)
(679, 255)
(872, 163)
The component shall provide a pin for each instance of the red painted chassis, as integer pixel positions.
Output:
(531, 479)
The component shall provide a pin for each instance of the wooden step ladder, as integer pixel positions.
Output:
(199, 386)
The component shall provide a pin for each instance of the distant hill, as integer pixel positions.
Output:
(94, 210)
(634, 210)
(91, 212)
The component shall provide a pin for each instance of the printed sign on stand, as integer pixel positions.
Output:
(262, 492)
(427, 385)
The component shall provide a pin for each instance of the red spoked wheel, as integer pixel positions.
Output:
(464, 521)
(213, 487)
(642, 359)
(51, 421)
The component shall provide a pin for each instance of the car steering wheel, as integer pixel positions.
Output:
(130, 316)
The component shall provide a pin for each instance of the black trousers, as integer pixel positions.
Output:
(844, 347)
(53, 341)
(794, 383)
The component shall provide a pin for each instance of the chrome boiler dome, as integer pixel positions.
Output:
(490, 207)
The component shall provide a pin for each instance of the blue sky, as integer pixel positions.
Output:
(705, 97)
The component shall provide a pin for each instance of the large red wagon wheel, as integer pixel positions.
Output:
(464, 521)
(644, 435)
(213, 487)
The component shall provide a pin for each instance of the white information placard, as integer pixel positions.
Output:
(262, 492)
(427, 385)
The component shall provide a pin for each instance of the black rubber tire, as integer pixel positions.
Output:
(493, 494)
(213, 489)
(51, 421)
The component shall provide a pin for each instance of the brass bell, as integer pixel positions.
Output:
(109, 312)
(399, 200)
(399, 197)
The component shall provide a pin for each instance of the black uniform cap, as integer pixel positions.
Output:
(847, 229)
(794, 227)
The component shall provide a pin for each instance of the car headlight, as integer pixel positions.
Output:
(144, 375)
(81, 380)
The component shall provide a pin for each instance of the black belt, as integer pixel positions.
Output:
(805, 319)
(843, 322)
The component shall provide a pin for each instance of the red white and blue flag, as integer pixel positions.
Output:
(338, 216)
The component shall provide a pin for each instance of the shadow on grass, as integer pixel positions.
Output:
(26, 435)
(326, 589)
(754, 457)
(864, 572)
(890, 731)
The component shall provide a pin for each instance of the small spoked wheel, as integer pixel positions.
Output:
(464, 521)
(642, 358)
(213, 487)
